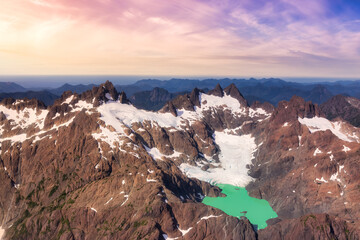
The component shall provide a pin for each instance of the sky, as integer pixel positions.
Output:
(255, 38)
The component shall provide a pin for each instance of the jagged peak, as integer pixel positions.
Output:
(217, 91)
(296, 107)
(194, 97)
(20, 104)
(103, 93)
(234, 92)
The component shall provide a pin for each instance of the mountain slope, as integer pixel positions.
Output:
(94, 166)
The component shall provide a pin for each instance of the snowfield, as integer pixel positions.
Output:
(26, 117)
(117, 114)
(235, 153)
(322, 124)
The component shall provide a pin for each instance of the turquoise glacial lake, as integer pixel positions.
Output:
(238, 203)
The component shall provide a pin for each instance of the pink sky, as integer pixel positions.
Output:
(185, 37)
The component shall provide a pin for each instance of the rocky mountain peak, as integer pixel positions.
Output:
(187, 102)
(304, 109)
(102, 93)
(288, 111)
(217, 91)
(234, 92)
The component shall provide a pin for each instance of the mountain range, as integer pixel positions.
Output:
(264, 90)
(92, 166)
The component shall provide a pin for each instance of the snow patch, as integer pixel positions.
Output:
(81, 105)
(227, 102)
(184, 232)
(25, 117)
(93, 209)
(69, 99)
(316, 124)
(127, 198)
(157, 155)
(346, 149)
(257, 112)
(150, 180)
(317, 151)
(208, 217)
(321, 180)
(235, 153)
(108, 201)
(107, 136)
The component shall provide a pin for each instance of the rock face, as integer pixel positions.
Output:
(93, 166)
(339, 106)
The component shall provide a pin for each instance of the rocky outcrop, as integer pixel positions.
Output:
(186, 102)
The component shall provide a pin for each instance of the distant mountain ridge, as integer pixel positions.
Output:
(44, 96)
(11, 87)
(272, 90)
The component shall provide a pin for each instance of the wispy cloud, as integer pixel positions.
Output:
(273, 38)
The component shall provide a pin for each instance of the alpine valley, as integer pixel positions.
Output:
(93, 166)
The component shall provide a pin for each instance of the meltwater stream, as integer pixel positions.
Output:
(238, 203)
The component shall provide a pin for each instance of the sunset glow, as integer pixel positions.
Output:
(185, 37)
